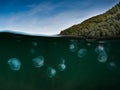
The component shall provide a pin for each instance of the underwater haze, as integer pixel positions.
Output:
(58, 63)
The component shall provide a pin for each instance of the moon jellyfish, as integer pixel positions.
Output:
(101, 42)
(102, 57)
(61, 67)
(14, 64)
(111, 66)
(62, 60)
(82, 52)
(35, 44)
(99, 49)
(32, 50)
(73, 46)
(38, 61)
(51, 72)
(88, 44)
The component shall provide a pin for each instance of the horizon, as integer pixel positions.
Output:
(48, 17)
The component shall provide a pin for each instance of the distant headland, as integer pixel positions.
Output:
(103, 25)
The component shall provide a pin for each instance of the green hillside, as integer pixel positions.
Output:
(104, 25)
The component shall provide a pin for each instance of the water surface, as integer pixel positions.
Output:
(58, 63)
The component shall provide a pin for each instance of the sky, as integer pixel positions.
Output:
(48, 17)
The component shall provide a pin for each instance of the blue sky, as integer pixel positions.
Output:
(48, 17)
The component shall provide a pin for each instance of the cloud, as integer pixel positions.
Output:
(44, 18)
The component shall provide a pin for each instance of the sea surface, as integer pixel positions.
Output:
(58, 63)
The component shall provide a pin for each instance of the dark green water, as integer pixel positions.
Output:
(58, 63)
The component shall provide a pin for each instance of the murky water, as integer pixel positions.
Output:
(58, 63)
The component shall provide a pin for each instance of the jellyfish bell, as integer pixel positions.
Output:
(38, 61)
(101, 42)
(14, 64)
(61, 67)
(88, 44)
(51, 72)
(112, 65)
(99, 49)
(32, 51)
(34, 44)
(102, 57)
(73, 46)
(82, 52)
(62, 61)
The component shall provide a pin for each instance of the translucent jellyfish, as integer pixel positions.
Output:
(102, 57)
(99, 49)
(88, 44)
(32, 50)
(82, 52)
(73, 46)
(101, 42)
(38, 61)
(61, 67)
(35, 44)
(51, 72)
(111, 65)
(14, 64)
(62, 61)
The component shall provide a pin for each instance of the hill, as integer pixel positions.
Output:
(103, 25)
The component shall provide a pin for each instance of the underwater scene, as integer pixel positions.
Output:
(58, 63)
